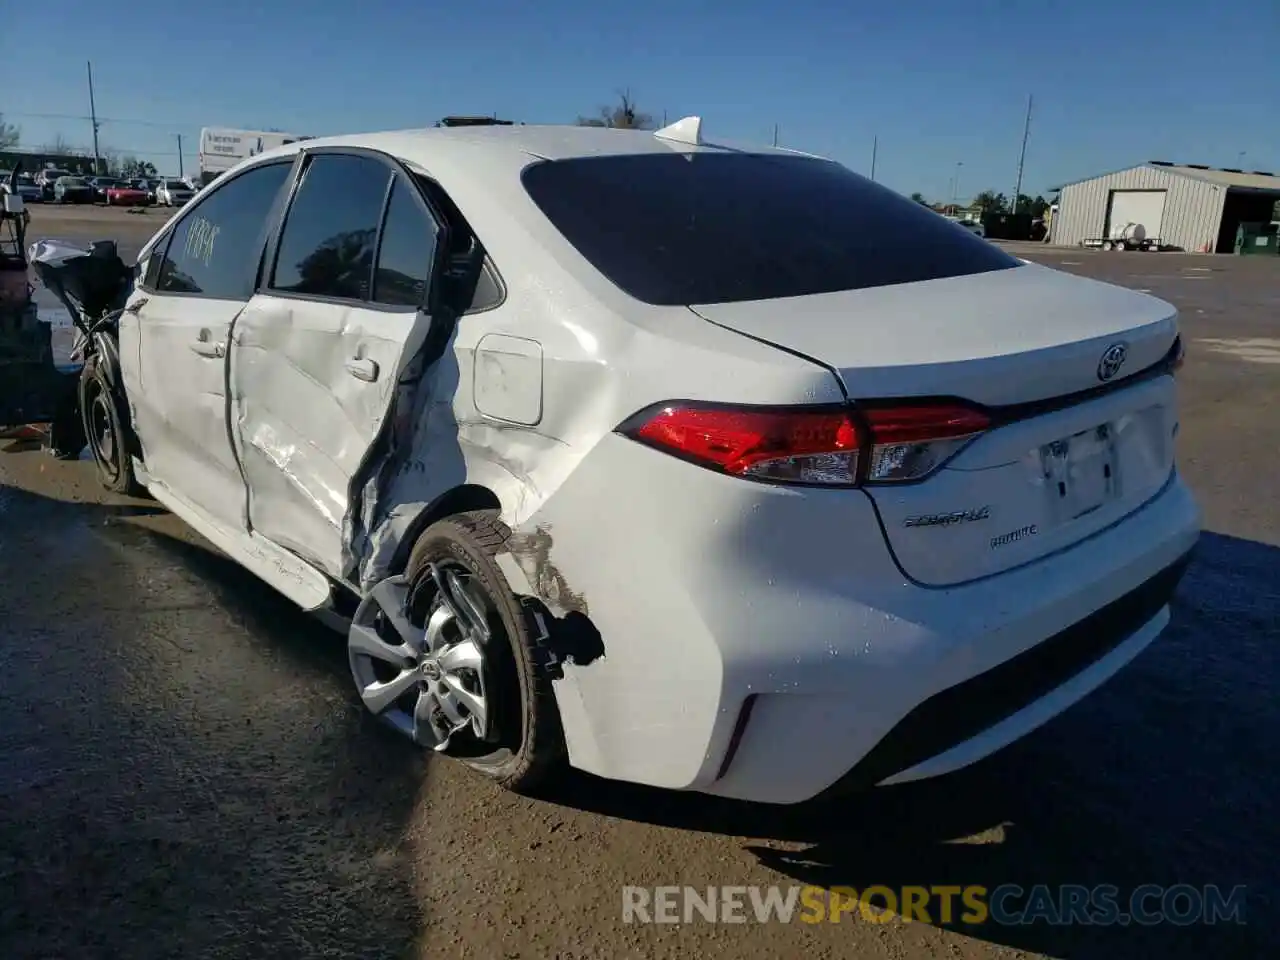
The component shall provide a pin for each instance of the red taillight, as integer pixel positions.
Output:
(831, 447)
(789, 446)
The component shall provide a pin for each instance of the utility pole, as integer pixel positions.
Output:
(955, 186)
(775, 134)
(1026, 131)
(875, 146)
(93, 119)
(179, 156)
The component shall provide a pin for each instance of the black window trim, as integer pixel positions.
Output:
(396, 170)
(425, 183)
(499, 286)
(160, 247)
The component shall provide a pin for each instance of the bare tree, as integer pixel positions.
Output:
(10, 135)
(131, 167)
(623, 115)
(61, 148)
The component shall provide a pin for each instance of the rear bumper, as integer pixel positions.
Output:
(1014, 652)
(972, 719)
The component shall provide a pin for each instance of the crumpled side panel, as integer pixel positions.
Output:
(304, 422)
(441, 443)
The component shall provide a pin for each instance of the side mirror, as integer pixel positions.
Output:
(13, 203)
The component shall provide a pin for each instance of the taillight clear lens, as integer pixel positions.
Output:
(807, 446)
(909, 443)
(783, 446)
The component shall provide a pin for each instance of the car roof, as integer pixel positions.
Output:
(516, 144)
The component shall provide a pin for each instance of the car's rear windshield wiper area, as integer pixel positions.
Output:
(720, 227)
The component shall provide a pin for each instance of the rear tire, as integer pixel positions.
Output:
(527, 744)
(107, 432)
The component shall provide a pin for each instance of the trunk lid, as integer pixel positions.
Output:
(1039, 480)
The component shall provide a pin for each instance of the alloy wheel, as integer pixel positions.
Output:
(418, 655)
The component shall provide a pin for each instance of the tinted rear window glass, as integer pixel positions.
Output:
(326, 247)
(723, 227)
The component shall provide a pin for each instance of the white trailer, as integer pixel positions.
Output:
(222, 148)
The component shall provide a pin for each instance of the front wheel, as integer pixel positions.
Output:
(447, 655)
(106, 430)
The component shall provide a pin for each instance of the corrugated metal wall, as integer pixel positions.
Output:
(1192, 209)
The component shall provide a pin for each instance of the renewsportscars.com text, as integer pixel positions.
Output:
(1008, 904)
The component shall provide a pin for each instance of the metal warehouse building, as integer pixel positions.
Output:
(1188, 206)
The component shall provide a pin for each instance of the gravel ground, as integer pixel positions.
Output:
(184, 769)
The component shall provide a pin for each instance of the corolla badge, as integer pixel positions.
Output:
(1112, 360)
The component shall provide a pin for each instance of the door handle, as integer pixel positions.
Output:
(362, 368)
(136, 305)
(208, 348)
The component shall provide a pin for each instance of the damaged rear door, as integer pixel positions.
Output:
(318, 355)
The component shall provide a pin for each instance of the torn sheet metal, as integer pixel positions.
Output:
(311, 386)
(442, 444)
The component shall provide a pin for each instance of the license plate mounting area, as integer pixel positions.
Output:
(1080, 472)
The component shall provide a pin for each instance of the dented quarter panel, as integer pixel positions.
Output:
(588, 353)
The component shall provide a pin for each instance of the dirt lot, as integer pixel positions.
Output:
(184, 770)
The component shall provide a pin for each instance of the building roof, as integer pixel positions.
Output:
(1223, 176)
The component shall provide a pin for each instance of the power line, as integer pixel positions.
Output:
(119, 151)
(75, 116)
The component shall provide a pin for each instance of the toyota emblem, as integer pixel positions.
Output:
(1112, 360)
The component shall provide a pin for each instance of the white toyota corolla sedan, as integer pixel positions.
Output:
(717, 469)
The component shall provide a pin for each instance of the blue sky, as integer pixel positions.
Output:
(938, 82)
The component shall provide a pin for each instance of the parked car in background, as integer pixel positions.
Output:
(47, 178)
(128, 194)
(144, 185)
(101, 185)
(26, 186)
(28, 189)
(73, 190)
(973, 226)
(173, 193)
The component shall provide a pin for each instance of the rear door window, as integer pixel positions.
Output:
(719, 227)
(327, 244)
(407, 251)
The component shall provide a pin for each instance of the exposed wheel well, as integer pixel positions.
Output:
(467, 496)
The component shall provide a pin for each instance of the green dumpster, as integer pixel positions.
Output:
(1253, 239)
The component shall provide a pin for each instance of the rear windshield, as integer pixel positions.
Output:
(708, 227)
